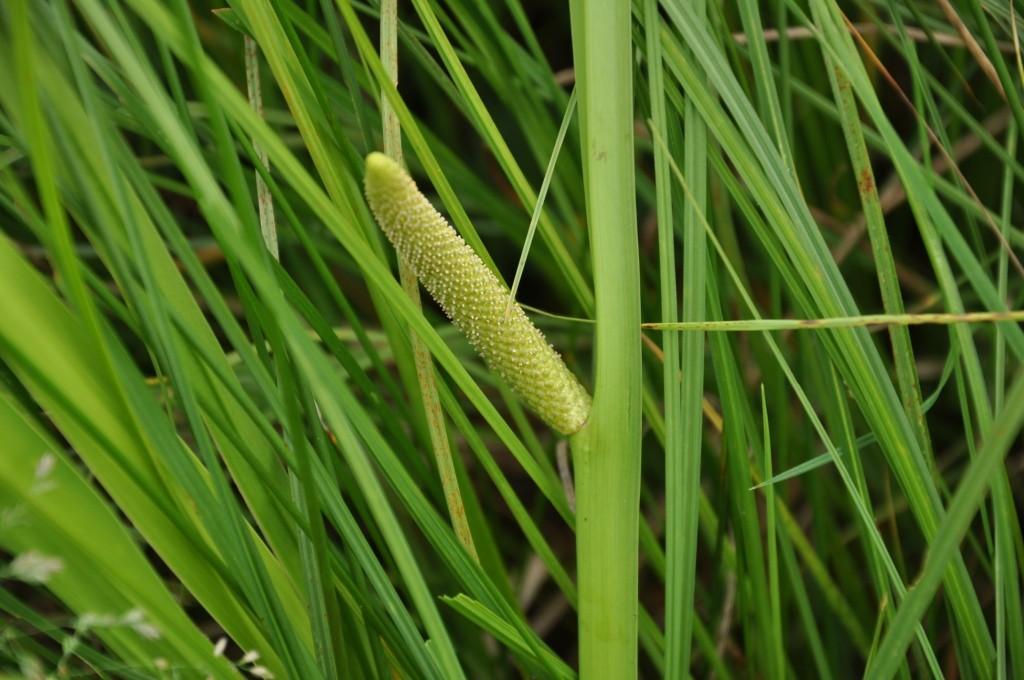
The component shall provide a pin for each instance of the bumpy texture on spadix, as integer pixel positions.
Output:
(473, 297)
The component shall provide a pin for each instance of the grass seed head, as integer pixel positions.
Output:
(473, 297)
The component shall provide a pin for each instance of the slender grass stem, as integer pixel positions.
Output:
(745, 325)
(424, 366)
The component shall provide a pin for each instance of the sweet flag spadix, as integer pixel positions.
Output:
(473, 298)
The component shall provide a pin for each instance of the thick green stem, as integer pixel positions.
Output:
(607, 450)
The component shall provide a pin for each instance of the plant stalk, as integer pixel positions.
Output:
(434, 414)
(607, 450)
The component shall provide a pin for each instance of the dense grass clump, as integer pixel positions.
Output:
(778, 242)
